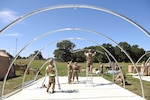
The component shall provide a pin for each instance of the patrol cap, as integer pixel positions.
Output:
(75, 63)
(89, 50)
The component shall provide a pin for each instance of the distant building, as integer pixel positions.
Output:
(5, 61)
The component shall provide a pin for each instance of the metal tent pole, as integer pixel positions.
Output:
(57, 74)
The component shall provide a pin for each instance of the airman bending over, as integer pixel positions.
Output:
(120, 78)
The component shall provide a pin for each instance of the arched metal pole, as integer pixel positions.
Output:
(82, 50)
(117, 64)
(75, 6)
(39, 72)
(142, 57)
(147, 61)
(114, 59)
(120, 49)
(34, 58)
(33, 40)
(57, 75)
(107, 58)
(77, 29)
(31, 62)
(73, 52)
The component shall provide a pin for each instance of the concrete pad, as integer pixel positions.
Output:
(100, 89)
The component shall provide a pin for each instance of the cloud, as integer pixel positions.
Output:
(7, 16)
(13, 35)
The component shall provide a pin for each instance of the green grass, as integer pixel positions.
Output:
(62, 71)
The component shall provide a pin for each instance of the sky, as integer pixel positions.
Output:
(73, 20)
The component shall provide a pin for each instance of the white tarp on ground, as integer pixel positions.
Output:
(101, 89)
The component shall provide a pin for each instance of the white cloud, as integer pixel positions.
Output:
(12, 35)
(7, 16)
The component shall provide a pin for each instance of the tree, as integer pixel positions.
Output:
(110, 48)
(38, 57)
(118, 54)
(64, 50)
(136, 52)
(127, 48)
(78, 56)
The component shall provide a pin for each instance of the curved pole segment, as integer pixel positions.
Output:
(108, 53)
(33, 40)
(77, 6)
(116, 63)
(147, 61)
(34, 58)
(76, 29)
(57, 75)
(142, 57)
(31, 62)
(80, 50)
(107, 58)
(40, 69)
(140, 60)
(121, 50)
(85, 49)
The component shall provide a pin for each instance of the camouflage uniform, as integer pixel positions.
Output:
(120, 78)
(76, 70)
(89, 56)
(101, 68)
(51, 73)
(70, 70)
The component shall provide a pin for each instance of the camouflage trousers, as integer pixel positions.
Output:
(51, 83)
(69, 77)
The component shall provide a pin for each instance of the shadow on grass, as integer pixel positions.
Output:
(2, 79)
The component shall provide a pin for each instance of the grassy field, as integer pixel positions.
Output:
(15, 83)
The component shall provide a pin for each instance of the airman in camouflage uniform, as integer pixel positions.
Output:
(50, 70)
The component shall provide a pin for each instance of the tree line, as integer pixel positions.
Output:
(65, 52)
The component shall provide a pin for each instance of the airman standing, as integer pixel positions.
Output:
(76, 70)
(89, 55)
(70, 72)
(50, 70)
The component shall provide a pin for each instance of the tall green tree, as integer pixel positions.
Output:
(110, 48)
(64, 50)
(127, 48)
(118, 54)
(136, 52)
(78, 56)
